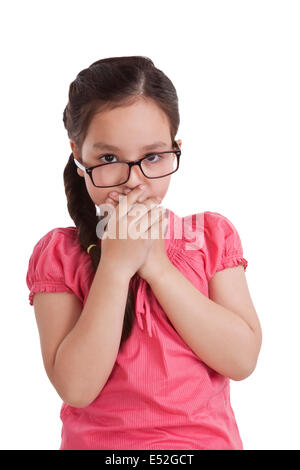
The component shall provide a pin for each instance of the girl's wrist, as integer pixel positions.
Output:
(162, 268)
(116, 273)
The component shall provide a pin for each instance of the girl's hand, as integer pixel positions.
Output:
(129, 252)
(157, 257)
(156, 260)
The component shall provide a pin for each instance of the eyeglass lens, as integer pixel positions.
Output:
(154, 166)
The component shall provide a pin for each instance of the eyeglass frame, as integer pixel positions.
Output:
(89, 170)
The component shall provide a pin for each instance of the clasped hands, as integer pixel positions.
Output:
(157, 259)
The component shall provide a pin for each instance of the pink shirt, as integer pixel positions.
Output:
(159, 395)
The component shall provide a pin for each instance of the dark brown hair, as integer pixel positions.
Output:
(107, 84)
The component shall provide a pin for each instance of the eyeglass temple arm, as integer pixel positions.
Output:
(79, 164)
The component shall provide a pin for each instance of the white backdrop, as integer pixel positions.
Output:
(235, 65)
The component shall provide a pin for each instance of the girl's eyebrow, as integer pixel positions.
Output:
(102, 146)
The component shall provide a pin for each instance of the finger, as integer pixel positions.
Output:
(143, 197)
(126, 202)
(147, 222)
(139, 210)
(108, 200)
(109, 208)
(159, 228)
(115, 195)
(165, 224)
(148, 203)
(162, 221)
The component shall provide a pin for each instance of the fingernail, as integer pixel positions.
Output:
(126, 191)
(142, 186)
(114, 193)
(109, 200)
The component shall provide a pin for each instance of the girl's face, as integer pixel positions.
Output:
(129, 129)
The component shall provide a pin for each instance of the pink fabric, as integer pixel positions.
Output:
(159, 395)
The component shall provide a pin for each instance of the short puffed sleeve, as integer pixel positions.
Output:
(56, 264)
(223, 244)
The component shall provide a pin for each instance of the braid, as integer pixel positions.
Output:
(83, 212)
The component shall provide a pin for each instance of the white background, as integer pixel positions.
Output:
(235, 66)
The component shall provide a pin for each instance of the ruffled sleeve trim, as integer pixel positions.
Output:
(217, 246)
(58, 264)
(47, 286)
(232, 261)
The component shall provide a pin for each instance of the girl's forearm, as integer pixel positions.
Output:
(218, 336)
(86, 356)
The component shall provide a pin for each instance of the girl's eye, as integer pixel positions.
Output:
(152, 158)
(108, 156)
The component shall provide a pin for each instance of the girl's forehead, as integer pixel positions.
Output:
(134, 127)
(142, 114)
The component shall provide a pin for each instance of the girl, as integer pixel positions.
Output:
(140, 335)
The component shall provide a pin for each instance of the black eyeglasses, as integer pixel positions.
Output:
(110, 174)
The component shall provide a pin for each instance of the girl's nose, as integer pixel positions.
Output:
(136, 177)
